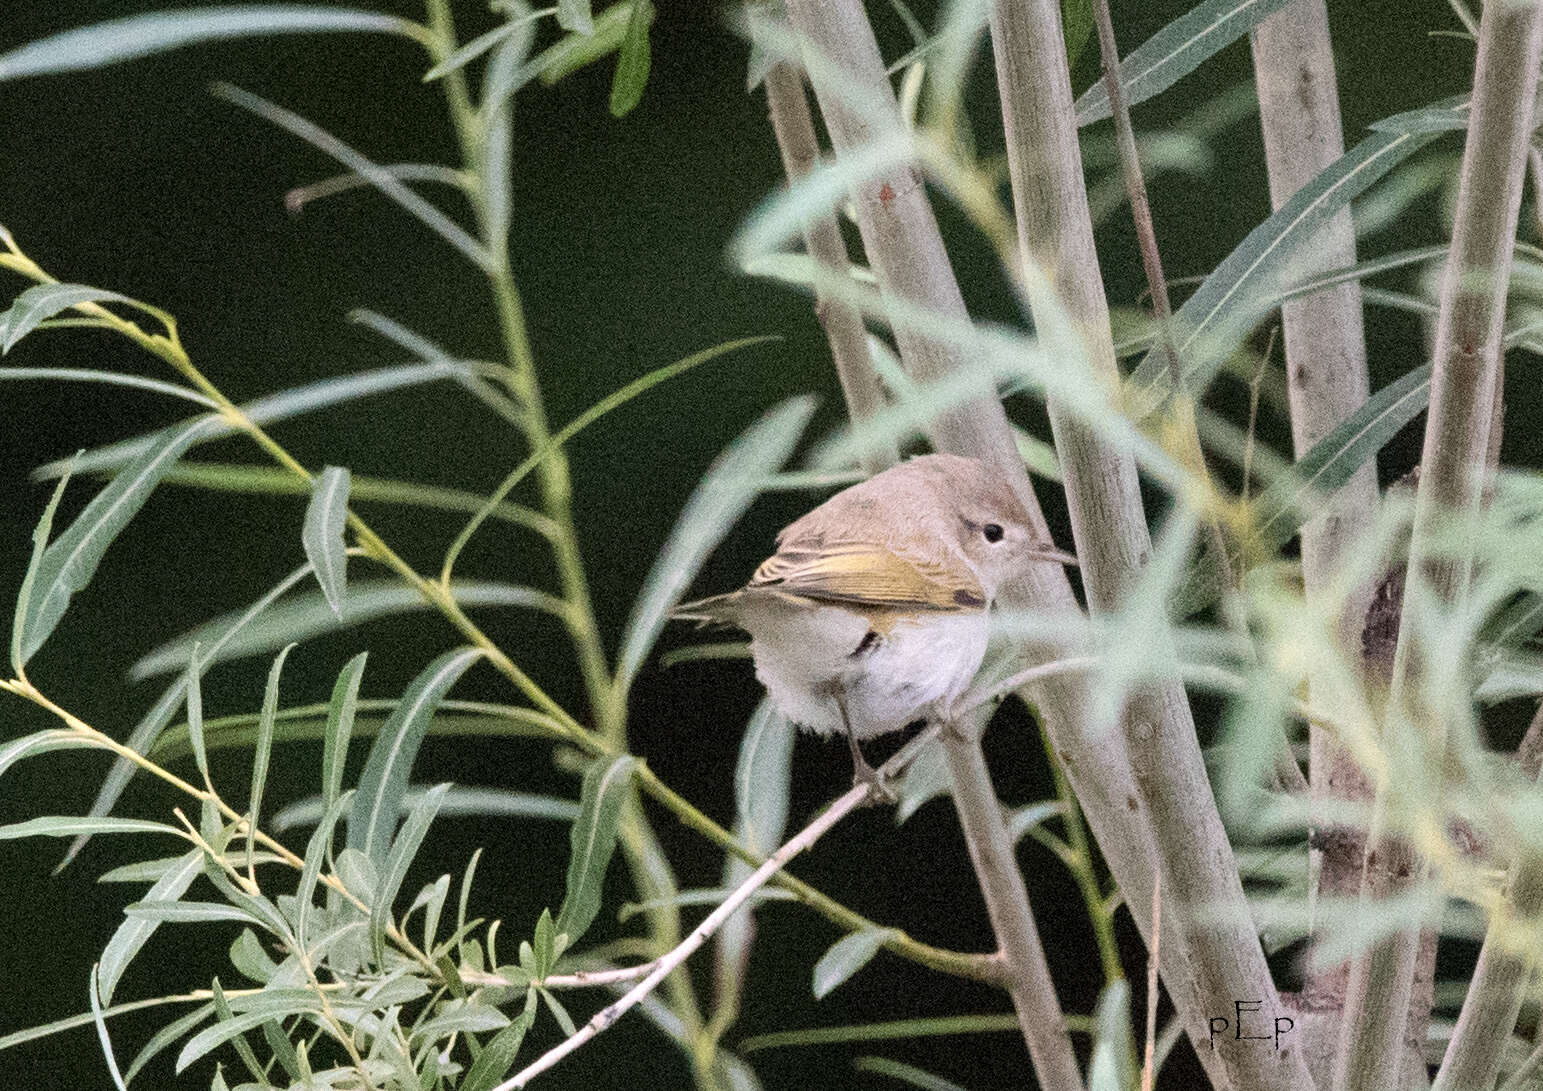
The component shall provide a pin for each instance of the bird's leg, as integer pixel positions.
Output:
(862, 772)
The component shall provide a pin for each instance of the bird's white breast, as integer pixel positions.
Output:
(807, 652)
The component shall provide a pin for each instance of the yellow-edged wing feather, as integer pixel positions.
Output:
(870, 575)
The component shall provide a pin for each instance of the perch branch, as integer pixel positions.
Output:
(668, 963)
(1469, 325)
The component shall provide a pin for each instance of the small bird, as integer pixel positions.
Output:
(873, 611)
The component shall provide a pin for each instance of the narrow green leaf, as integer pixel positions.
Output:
(762, 780)
(384, 780)
(71, 826)
(275, 481)
(1114, 1065)
(433, 898)
(164, 1037)
(846, 956)
(308, 615)
(134, 932)
(68, 564)
(497, 1057)
(1364, 269)
(145, 733)
(458, 803)
(140, 871)
(1335, 458)
(1024, 819)
(41, 742)
(462, 1019)
(322, 536)
(137, 36)
(101, 1033)
(925, 779)
(306, 398)
(186, 912)
(40, 535)
(231, 1026)
(403, 849)
(632, 62)
(248, 956)
(577, 50)
(575, 16)
(1177, 50)
(877, 1032)
(905, 1073)
(559, 1013)
(1245, 286)
(606, 788)
(724, 493)
(43, 301)
(340, 728)
(107, 378)
(708, 896)
(614, 400)
(1439, 117)
(263, 751)
(316, 853)
(195, 708)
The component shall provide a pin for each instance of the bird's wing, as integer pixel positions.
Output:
(870, 575)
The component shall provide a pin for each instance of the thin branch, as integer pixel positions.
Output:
(1172, 791)
(843, 325)
(1469, 329)
(664, 966)
(1148, 1067)
(1181, 406)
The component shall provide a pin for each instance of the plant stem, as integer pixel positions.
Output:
(1113, 544)
(1469, 325)
(1007, 903)
(844, 329)
(649, 868)
(1326, 381)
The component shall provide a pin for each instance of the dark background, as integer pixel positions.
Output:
(134, 178)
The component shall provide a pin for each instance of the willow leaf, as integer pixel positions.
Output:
(606, 787)
(138, 36)
(384, 780)
(322, 534)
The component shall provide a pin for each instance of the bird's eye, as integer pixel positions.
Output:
(992, 531)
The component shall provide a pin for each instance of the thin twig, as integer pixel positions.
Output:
(1148, 1066)
(1152, 263)
(843, 325)
(845, 805)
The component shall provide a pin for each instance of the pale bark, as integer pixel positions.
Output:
(1452, 468)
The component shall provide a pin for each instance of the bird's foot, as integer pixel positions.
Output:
(881, 792)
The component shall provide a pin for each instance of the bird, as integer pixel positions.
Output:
(873, 611)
